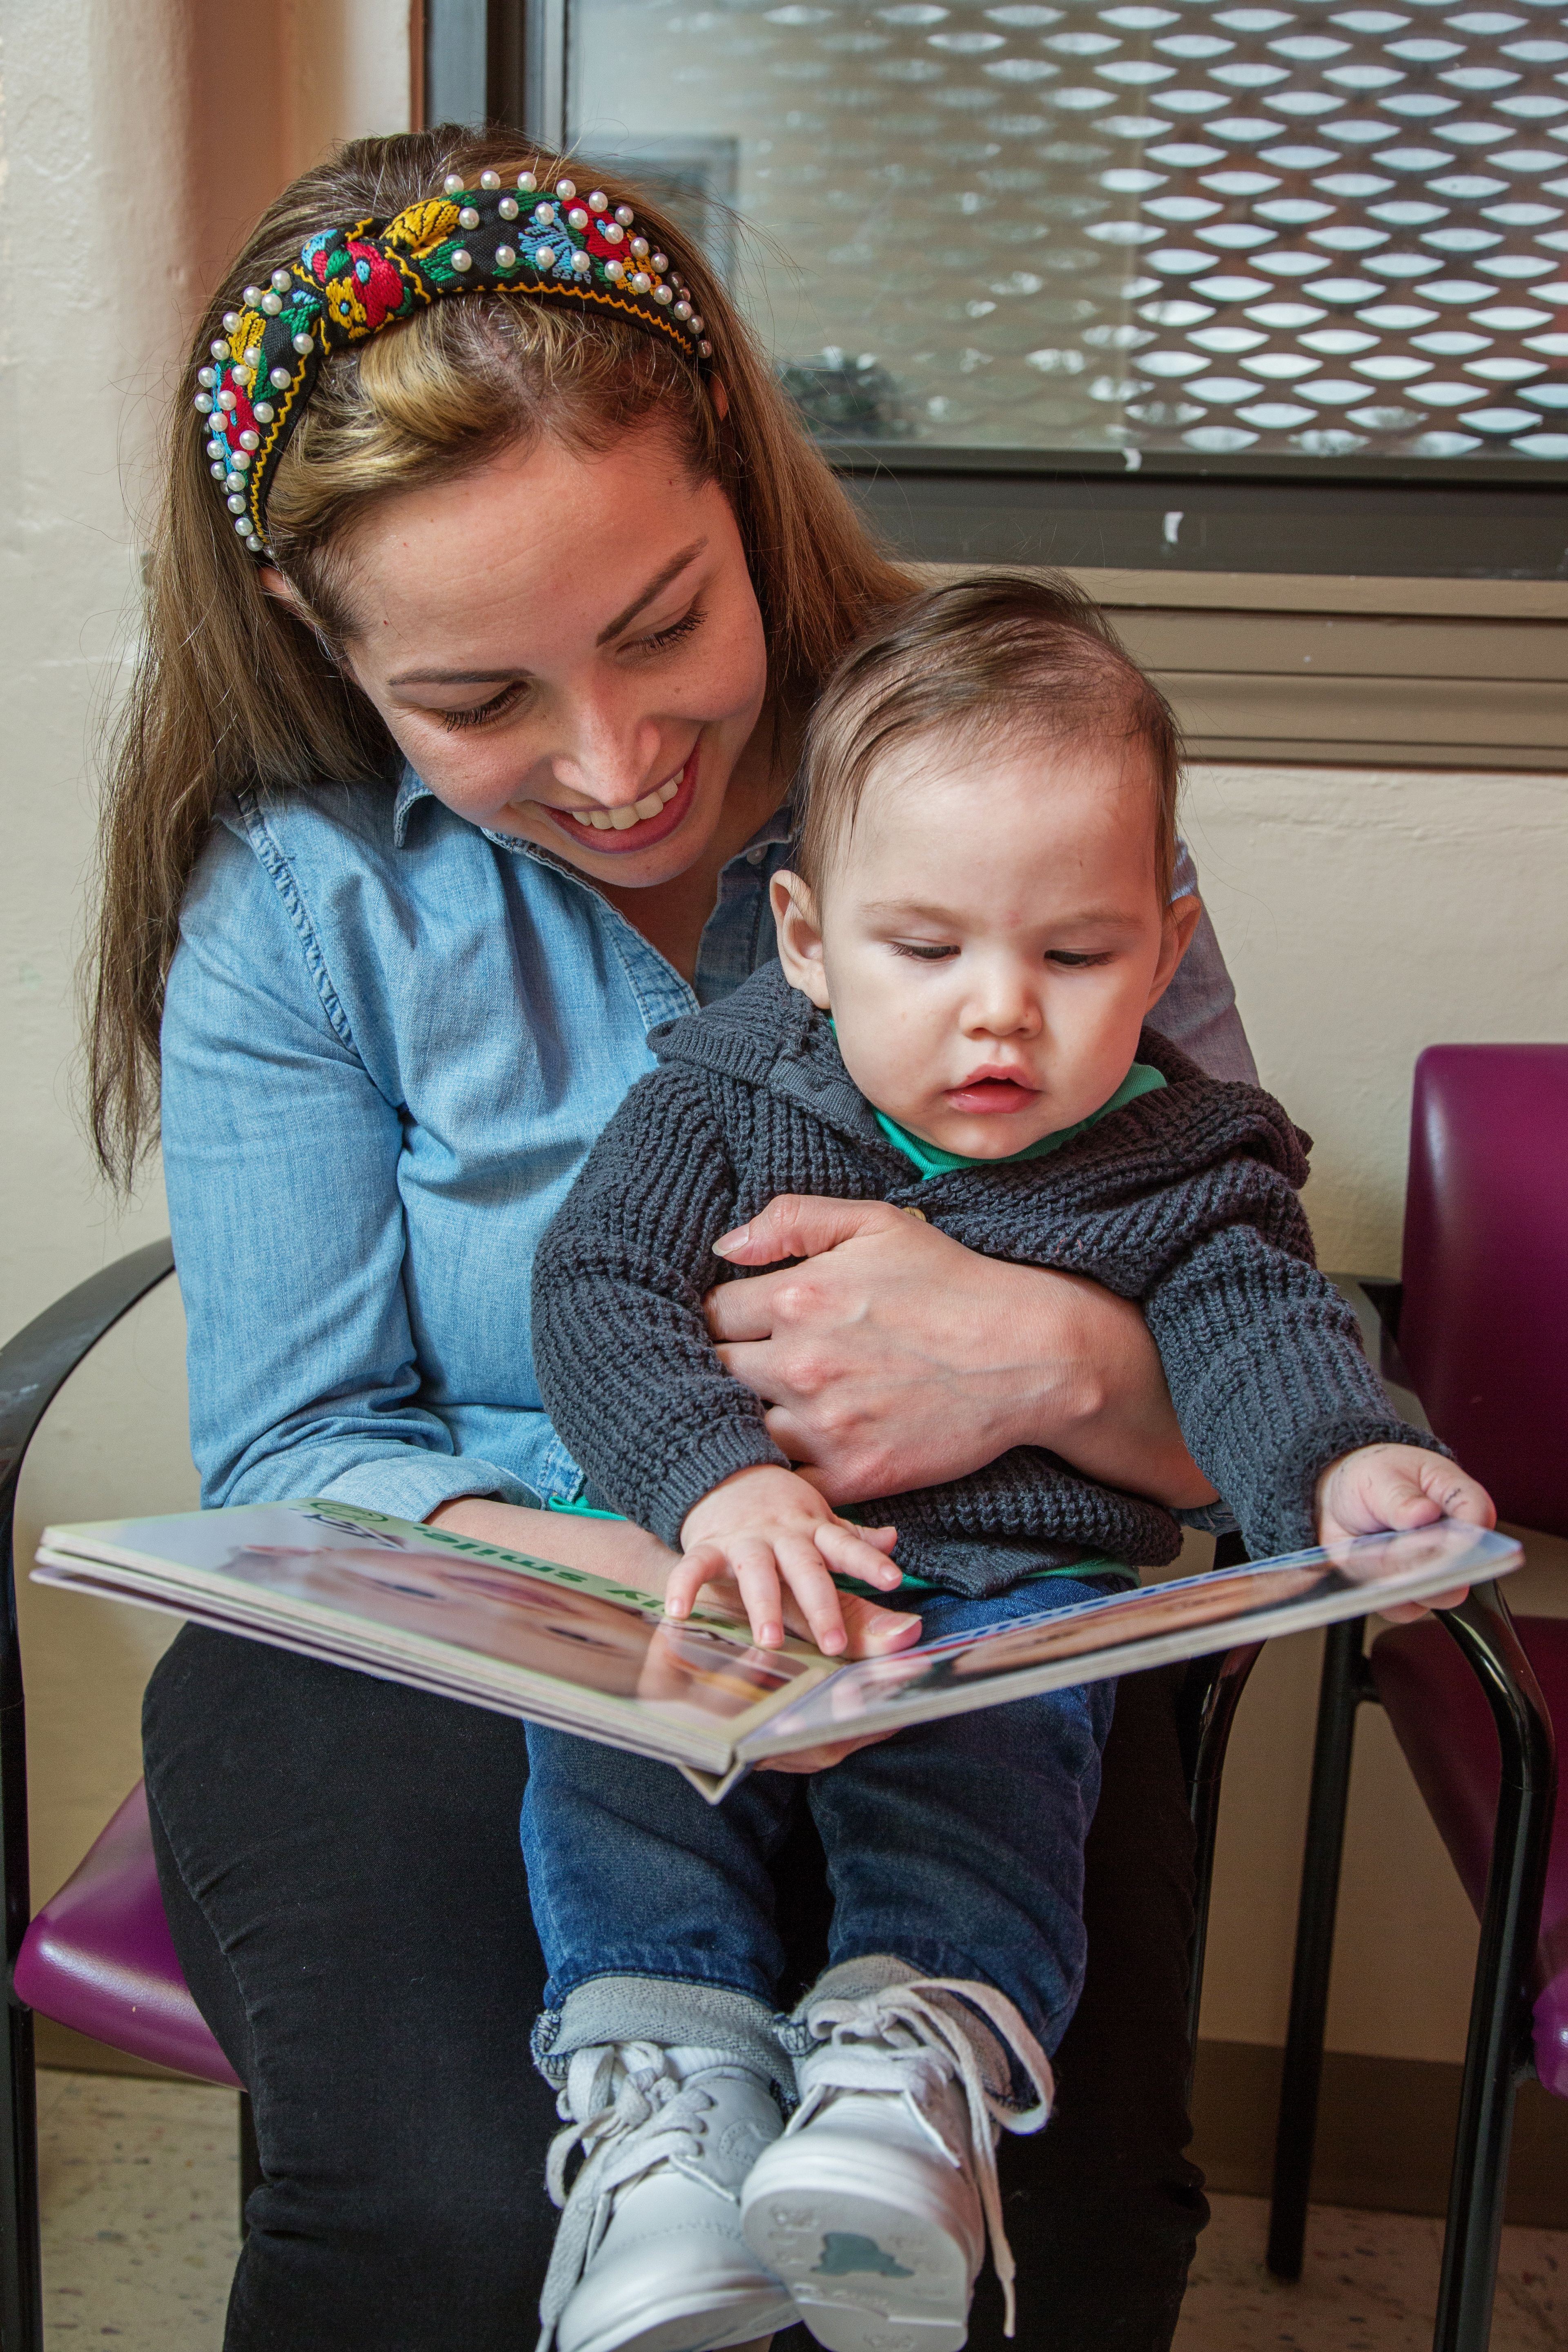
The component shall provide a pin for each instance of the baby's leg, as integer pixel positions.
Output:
(958, 1846)
(955, 1854)
(656, 1914)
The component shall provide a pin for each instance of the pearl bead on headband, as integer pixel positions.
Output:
(349, 283)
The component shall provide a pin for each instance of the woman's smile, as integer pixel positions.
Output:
(641, 825)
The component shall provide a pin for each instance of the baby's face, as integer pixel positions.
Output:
(990, 938)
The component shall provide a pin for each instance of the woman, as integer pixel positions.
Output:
(456, 763)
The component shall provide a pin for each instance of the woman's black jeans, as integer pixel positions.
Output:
(340, 1862)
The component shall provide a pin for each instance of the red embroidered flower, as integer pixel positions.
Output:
(241, 419)
(380, 287)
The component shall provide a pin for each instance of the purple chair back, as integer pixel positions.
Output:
(1484, 1319)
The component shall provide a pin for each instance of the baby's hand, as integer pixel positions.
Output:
(765, 1527)
(1380, 1487)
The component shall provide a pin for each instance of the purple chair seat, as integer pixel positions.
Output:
(98, 1957)
(1443, 1723)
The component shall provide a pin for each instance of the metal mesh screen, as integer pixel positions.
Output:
(1323, 230)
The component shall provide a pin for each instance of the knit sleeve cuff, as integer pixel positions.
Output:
(722, 1448)
(1279, 1515)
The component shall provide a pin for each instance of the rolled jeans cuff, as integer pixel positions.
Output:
(674, 2012)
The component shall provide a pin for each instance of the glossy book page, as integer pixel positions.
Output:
(1225, 1610)
(420, 1603)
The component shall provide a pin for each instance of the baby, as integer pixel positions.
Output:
(977, 924)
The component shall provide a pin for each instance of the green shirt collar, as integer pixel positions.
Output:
(1142, 1078)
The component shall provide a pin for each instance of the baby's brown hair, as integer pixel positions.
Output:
(1011, 654)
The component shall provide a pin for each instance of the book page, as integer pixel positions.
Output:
(1098, 1639)
(383, 1593)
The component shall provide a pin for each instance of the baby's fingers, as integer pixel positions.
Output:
(705, 1563)
(860, 1552)
(814, 1591)
(756, 1573)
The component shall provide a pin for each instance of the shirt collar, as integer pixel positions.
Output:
(411, 788)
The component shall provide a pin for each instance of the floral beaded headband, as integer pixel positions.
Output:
(349, 283)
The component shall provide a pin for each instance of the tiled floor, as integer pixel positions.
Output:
(140, 2211)
(140, 2235)
(1369, 2284)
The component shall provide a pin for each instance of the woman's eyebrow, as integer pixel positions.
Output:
(455, 676)
(656, 587)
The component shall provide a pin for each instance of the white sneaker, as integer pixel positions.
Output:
(872, 2209)
(649, 2256)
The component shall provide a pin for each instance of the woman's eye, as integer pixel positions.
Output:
(662, 639)
(483, 713)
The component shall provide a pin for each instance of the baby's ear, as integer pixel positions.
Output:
(1183, 917)
(799, 937)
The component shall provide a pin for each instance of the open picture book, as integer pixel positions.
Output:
(501, 1630)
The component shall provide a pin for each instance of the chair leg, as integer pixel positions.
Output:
(249, 2160)
(21, 2275)
(1497, 2052)
(1340, 1694)
(1206, 1713)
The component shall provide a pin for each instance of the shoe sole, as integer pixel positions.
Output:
(744, 2323)
(867, 2272)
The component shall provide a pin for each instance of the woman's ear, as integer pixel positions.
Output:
(1183, 917)
(719, 395)
(799, 937)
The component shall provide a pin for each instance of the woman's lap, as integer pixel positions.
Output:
(341, 1865)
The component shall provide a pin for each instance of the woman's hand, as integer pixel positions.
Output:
(894, 1358)
(1383, 1487)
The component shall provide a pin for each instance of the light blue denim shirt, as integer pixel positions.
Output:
(390, 1039)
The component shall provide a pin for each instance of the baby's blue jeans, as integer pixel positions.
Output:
(956, 1847)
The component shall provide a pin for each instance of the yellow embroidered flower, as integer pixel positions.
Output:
(421, 227)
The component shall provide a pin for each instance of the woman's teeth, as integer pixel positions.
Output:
(622, 820)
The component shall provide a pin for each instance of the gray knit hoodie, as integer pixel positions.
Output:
(1185, 1200)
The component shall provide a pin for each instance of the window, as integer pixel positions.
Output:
(1319, 231)
(1251, 288)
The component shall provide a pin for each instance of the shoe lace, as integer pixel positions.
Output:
(625, 2113)
(900, 2040)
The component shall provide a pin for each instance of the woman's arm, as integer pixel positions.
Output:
(281, 1161)
(895, 1357)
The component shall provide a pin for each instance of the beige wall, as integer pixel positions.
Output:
(137, 137)
(1364, 915)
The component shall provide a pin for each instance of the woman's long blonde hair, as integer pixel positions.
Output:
(233, 688)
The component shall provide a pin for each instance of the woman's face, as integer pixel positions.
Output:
(566, 648)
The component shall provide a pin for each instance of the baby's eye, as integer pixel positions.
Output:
(1065, 956)
(924, 951)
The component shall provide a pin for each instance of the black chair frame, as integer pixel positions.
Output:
(1498, 2055)
(34, 1367)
